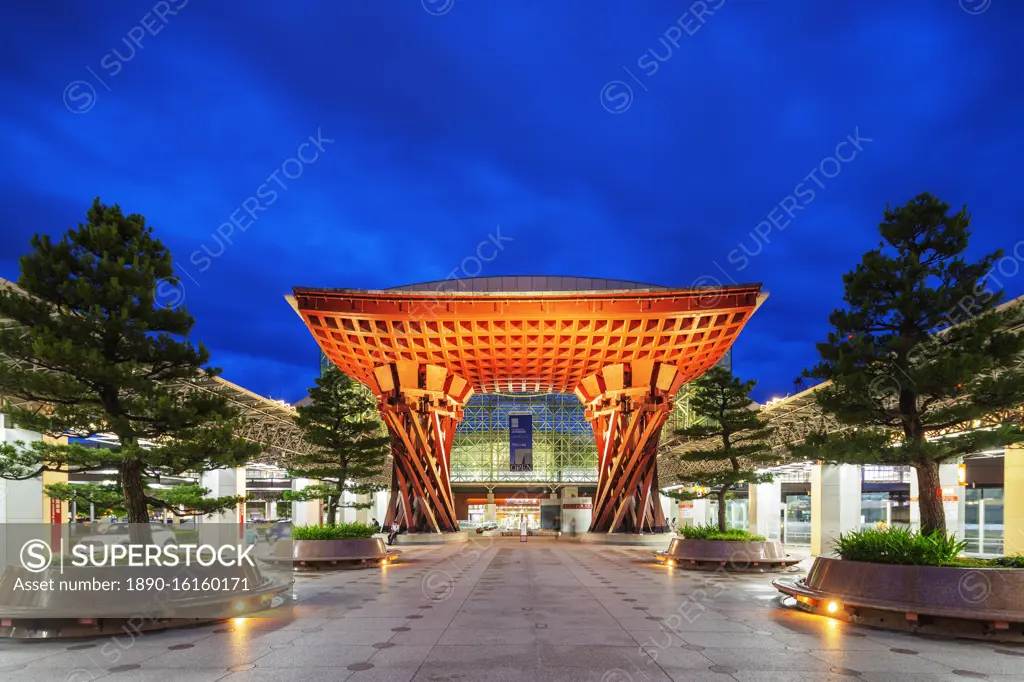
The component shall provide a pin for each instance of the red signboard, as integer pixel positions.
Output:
(577, 506)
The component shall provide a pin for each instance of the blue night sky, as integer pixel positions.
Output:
(631, 140)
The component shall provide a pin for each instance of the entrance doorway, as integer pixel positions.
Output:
(796, 520)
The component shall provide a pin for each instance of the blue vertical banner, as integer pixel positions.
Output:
(520, 435)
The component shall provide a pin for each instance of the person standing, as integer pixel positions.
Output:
(394, 533)
(572, 527)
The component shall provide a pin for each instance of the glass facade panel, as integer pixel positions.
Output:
(983, 520)
(796, 529)
(563, 442)
(874, 509)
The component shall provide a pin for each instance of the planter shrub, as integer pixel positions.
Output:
(898, 545)
(710, 532)
(338, 531)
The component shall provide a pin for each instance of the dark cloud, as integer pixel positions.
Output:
(445, 127)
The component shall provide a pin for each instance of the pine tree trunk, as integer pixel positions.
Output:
(129, 475)
(721, 510)
(929, 490)
(332, 511)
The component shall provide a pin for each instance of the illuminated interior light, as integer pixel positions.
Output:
(833, 607)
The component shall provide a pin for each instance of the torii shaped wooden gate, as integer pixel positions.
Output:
(625, 352)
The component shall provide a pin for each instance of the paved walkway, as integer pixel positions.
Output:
(505, 611)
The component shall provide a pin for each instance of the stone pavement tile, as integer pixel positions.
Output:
(561, 623)
(485, 657)
(303, 657)
(931, 677)
(106, 655)
(599, 675)
(151, 674)
(792, 676)
(380, 673)
(603, 637)
(733, 640)
(302, 623)
(687, 675)
(639, 623)
(593, 657)
(979, 660)
(926, 644)
(207, 657)
(880, 661)
(427, 618)
(19, 653)
(508, 622)
(755, 659)
(343, 637)
(356, 623)
(470, 672)
(258, 674)
(400, 656)
(383, 612)
(674, 658)
(461, 637)
(423, 637)
(838, 641)
(681, 625)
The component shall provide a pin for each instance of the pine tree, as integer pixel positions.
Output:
(350, 445)
(921, 350)
(90, 352)
(731, 418)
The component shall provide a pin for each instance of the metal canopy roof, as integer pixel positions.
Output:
(793, 418)
(264, 421)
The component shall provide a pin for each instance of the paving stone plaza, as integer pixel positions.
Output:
(499, 609)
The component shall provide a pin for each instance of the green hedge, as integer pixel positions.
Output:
(711, 532)
(899, 545)
(340, 531)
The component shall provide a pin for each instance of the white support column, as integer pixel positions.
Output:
(491, 512)
(953, 494)
(20, 501)
(835, 504)
(765, 503)
(363, 515)
(380, 505)
(915, 496)
(228, 525)
(670, 508)
(271, 510)
(305, 513)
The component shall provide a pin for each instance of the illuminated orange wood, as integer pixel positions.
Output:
(546, 341)
(421, 412)
(624, 353)
(627, 408)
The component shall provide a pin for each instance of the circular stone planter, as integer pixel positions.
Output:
(432, 538)
(633, 539)
(102, 603)
(966, 602)
(758, 556)
(316, 554)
